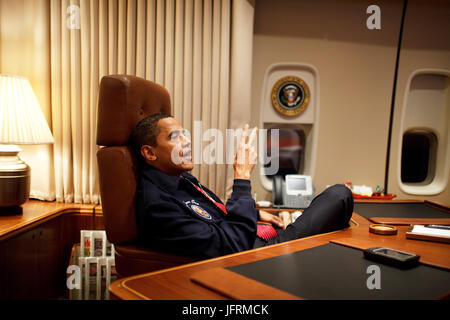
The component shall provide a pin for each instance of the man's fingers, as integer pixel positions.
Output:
(246, 151)
(277, 221)
(252, 136)
(244, 135)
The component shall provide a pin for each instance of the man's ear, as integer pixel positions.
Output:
(148, 153)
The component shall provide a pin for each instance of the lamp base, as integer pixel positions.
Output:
(14, 178)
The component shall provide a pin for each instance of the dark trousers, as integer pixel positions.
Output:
(329, 211)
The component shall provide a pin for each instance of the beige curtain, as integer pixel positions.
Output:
(182, 45)
(75, 74)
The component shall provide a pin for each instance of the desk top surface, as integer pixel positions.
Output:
(334, 271)
(176, 283)
(415, 210)
(35, 211)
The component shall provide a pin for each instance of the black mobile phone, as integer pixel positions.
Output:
(396, 258)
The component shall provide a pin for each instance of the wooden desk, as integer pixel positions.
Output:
(177, 283)
(433, 212)
(35, 212)
(35, 247)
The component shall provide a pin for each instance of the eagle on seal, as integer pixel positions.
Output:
(290, 93)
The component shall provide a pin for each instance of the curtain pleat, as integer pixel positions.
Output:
(160, 38)
(56, 98)
(131, 38)
(122, 36)
(206, 89)
(103, 41)
(224, 89)
(66, 194)
(169, 47)
(197, 86)
(182, 45)
(92, 193)
(187, 64)
(140, 39)
(178, 92)
(215, 77)
(112, 37)
(83, 119)
(151, 40)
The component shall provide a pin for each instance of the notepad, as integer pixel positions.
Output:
(422, 232)
(431, 231)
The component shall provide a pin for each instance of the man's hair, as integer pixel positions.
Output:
(145, 132)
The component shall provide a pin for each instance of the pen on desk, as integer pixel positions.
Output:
(437, 226)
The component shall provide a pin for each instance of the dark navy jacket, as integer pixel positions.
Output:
(174, 217)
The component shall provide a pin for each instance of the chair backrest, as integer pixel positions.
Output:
(123, 101)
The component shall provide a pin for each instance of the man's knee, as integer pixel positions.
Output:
(343, 195)
(340, 191)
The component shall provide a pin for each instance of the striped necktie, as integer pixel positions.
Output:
(218, 204)
(266, 232)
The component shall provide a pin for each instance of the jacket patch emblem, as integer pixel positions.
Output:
(200, 211)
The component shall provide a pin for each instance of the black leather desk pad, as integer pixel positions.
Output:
(398, 210)
(333, 271)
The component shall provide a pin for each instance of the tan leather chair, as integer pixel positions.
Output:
(123, 101)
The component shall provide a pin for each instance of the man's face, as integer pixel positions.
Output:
(172, 153)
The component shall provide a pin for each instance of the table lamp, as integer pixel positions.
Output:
(21, 122)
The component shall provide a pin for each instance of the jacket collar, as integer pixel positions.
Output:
(166, 181)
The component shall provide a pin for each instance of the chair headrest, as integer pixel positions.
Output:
(123, 101)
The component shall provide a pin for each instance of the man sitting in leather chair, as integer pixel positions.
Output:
(176, 214)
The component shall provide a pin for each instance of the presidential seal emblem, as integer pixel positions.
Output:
(201, 212)
(290, 96)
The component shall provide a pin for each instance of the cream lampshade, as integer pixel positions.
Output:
(21, 122)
